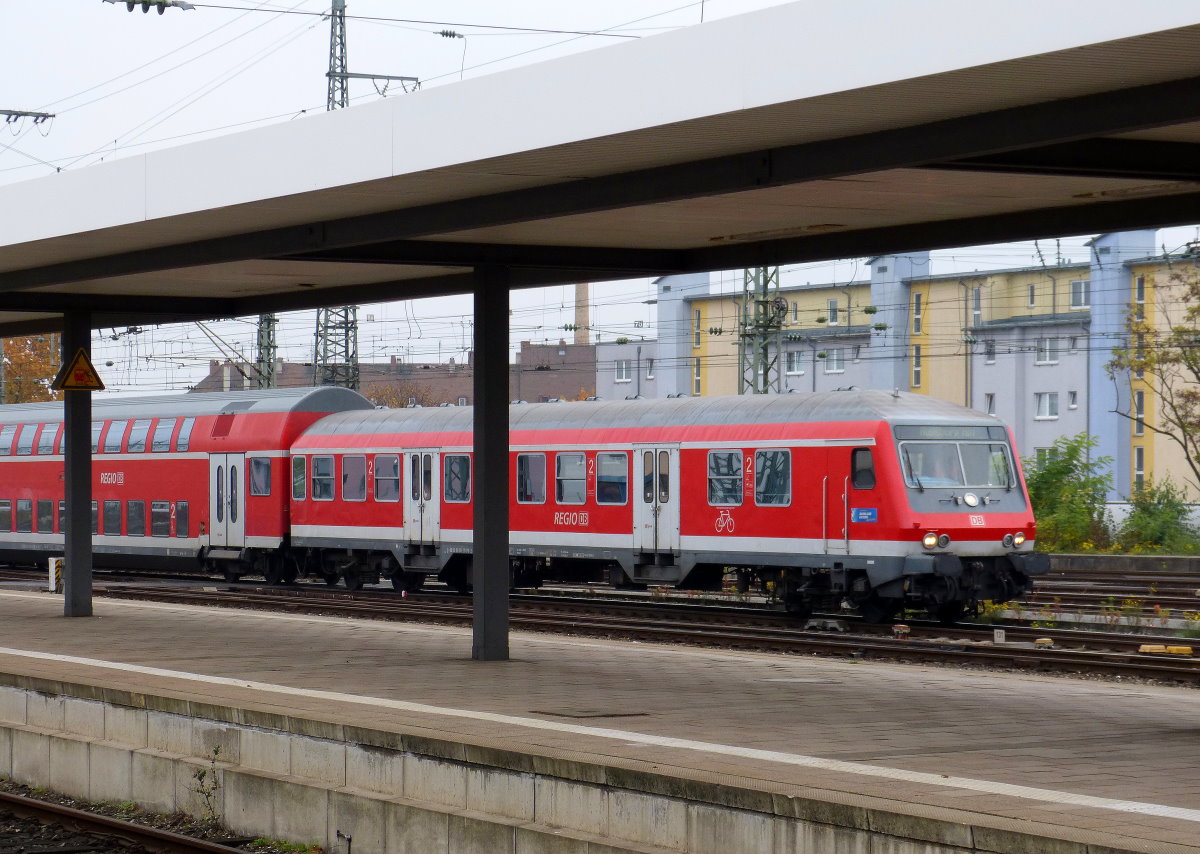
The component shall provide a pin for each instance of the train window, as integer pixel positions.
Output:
(233, 494)
(260, 475)
(612, 478)
(664, 477)
(181, 518)
(95, 518)
(725, 477)
(184, 439)
(456, 469)
(427, 476)
(862, 469)
(387, 477)
(322, 478)
(531, 478)
(135, 519)
(160, 518)
(115, 437)
(25, 515)
(45, 516)
(354, 479)
(219, 491)
(5, 515)
(25, 439)
(414, 479)
(299, 478)
(112, 517)
(62, 517)
(6, 439)
(97, 429)
(648, 477)
(951, 464)
(569, 481)
(48, 438)
(772, 478)
(161, 442)
(137, 436)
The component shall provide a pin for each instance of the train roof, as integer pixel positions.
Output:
(812, 407)
(114, 407)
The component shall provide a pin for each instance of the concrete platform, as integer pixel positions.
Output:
(584, 745)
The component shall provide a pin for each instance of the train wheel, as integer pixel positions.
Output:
(948, 613)
(407, 582)
(798, 607)
(273, 572)
(331, 579)
(230, 571)
(290, 570)
(876, 609)
(351, 579)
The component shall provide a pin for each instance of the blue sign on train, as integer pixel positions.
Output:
(864, 514)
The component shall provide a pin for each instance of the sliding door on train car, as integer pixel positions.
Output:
(226, 500)
(421, 499)
(835, 500)
(656, 504)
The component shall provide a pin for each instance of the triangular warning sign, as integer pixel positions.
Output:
(78, 375)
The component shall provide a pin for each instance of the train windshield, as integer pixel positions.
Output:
(951, 464)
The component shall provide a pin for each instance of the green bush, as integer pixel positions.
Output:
(1158, 522)
(1068, 491)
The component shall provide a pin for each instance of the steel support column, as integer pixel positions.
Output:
(77, 443)
(490, 543)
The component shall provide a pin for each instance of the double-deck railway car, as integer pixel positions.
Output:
(873, 499)
(177, 480)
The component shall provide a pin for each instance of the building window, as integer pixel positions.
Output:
(456, 473)
(1139, 467)
(916, 306)
(1139, 356)
(916, 366)
(793, 359)
(976, 306)
(725, 478)
(1081, 290)
(1072, 400)
(772, 478)
(696, 328)
(989, 352)
(1032, 299)
(570, 479)
(989, 403)
(835, 361)
(1043, 455)
(833, 312)
(1139, 297)
(1047, 351)
(649, 369)
(696, 376)
(1046, 404)
(624, 371)
(1139, 413)
(795, 312)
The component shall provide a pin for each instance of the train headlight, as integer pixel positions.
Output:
(943, 541)
(1019, 538)
(930, 540)
(971, 499)
(1008, 541)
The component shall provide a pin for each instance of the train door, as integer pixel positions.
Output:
(835, 503)
(656, 505)
(421, 517)
(226, 498)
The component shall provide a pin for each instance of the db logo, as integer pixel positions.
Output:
(977, 521)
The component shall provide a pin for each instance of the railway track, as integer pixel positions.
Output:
(75, 830)
(1071, 651)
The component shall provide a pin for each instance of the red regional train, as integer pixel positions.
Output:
(870, 499)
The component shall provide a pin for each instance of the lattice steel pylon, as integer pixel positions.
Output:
(336, 356)
(266, 351)
(760, 337)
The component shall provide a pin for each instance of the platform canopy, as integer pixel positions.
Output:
(799, 132)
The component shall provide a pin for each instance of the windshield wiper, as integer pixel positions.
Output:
(913, 471)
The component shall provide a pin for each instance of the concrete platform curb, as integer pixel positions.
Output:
(305, 780)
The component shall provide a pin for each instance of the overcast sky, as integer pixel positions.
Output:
(122, 83)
